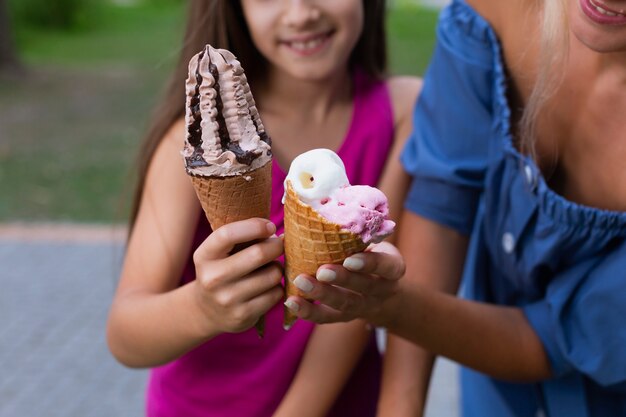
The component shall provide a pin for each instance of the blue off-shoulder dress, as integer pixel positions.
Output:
(562, 263)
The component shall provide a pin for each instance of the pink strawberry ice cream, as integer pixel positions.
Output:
(360, 209)
(319, 179)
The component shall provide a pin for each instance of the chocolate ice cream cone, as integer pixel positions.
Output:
(234, 198)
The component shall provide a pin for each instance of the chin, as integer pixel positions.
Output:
(601, 42)
(598, 38)
(312, 73)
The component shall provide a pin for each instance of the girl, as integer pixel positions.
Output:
(518, 163)
(185, 305)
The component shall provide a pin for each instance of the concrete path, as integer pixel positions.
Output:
(56, 284)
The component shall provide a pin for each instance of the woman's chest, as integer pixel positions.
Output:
(581, 147)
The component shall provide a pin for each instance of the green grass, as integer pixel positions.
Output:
(141, 35)
(69, 130)
(411, 32)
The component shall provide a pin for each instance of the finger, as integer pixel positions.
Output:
(341, 299)
(262, 303)
(222, 241)
(383, 260)
(367, 284)
(234, 267)
(317, 313)
(259, 282)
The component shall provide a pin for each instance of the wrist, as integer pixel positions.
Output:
(200, 323)
(398, 308)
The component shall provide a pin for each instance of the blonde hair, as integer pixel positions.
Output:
(552, 57)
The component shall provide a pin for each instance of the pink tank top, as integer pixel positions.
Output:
(239, 375)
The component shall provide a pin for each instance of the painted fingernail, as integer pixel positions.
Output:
(303, 284)
(354, 263)
(326, 275)
(292, 305)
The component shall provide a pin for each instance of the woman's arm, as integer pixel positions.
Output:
(153, 320)
(495, 340)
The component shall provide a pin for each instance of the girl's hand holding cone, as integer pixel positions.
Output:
(235, 289)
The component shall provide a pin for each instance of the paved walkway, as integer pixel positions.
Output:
(56, 284)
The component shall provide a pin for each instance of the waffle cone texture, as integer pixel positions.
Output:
(310, 242)
(237, 197)
(234, 198)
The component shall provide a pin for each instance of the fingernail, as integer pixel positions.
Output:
(354, 263)
(326, 275)
(303, 284)
(292, 305)
(271, 227)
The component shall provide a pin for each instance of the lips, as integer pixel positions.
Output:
(307, 45)
(600, 13)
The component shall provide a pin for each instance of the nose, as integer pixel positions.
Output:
(300, 12)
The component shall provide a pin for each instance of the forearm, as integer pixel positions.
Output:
(492, 339)
(146, 329)
(331, 355)
(495, 340)
(406, 375)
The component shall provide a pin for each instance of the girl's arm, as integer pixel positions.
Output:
(331, 355)
(153, 320)
(406, 367)
(334, 350)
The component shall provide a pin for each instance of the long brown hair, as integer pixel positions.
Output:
(221, 23)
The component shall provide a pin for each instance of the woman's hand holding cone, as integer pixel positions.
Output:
(358, 289)
(235, 289)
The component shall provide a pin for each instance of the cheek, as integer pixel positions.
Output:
(259, 20)
(352, 18)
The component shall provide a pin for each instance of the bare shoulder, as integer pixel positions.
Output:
(403, 91)
(394, 182)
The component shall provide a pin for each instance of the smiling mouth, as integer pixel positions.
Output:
(308, 45)
(602, 9)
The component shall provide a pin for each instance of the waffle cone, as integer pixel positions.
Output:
(234, 198)
(310, 242)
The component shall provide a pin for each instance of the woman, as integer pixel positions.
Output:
(519, 186)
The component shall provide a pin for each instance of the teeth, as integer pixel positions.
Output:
(606, 12)
(308, 45)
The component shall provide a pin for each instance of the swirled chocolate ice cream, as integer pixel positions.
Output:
(225, 135)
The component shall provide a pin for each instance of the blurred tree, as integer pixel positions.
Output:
(9, 61)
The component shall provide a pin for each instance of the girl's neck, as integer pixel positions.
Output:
(280, 93)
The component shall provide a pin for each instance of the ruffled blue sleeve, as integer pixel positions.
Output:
(447, 153)
(582, 319)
